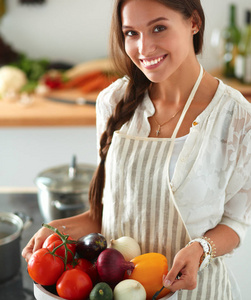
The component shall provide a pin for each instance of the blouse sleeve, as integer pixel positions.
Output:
(237, 210)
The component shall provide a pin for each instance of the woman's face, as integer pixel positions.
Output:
(157, 39)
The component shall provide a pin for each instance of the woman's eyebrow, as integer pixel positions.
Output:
(149, 23)
(157, 20)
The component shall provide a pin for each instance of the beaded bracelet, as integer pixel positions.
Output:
(213, 253)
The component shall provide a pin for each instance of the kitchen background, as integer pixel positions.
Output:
(74, 32)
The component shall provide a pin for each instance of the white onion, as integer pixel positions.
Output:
(129, 289)
(127, 246)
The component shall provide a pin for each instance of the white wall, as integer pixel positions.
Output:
(73, 31)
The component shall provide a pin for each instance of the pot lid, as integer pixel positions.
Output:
(71, 178)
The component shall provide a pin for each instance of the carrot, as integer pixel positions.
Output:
(98, 83)
(81, 79)
(94, 84)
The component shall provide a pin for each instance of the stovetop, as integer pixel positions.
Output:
(21, 285)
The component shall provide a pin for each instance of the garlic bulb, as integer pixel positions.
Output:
(127, 246)
(129, 289)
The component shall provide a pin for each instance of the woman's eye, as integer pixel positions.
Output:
(130, 33)
(159, 28)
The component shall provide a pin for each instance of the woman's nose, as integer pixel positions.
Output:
(145, 45)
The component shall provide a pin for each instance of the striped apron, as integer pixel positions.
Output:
(138, 202)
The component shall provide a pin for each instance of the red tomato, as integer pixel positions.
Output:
(54, 240)
(50, 239)
(88, 267)
(44, 268)
(74, 285)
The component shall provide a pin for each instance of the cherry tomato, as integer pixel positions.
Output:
(45, 268)
(54, 240)
(88, 267)
(74, 285)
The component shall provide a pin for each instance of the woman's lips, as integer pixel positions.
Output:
(153, 62)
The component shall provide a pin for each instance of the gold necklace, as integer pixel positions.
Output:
(161, 125)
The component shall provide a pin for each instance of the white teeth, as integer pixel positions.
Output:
(148, 63)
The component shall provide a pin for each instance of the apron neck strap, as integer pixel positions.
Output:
(170, 150)
(189, 101)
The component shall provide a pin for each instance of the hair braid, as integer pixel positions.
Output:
(123, 112)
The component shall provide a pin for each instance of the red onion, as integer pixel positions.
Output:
(111, 266)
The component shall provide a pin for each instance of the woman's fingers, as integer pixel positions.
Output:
(187, 281)
(183, 274)
(35, 243)
(28, 250)
(172, 275)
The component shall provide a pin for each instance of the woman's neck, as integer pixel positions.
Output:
(177, 87)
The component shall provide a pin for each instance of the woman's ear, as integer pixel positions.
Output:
(196, 22)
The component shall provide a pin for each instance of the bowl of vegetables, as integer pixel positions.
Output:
(90, 269)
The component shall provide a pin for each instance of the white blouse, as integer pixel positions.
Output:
(212, 175)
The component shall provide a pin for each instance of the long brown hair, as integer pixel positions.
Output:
(137, 85)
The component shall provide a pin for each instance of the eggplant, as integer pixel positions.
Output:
(91, 245)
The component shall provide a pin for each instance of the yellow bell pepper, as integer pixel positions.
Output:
(149, 270)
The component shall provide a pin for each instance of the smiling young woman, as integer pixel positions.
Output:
(174, 153)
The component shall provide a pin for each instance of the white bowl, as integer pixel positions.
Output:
(41, 293)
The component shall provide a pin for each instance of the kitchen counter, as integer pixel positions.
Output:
(21, 286)
(245, 89)
(43, 112)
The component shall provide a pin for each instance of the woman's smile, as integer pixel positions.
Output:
(152, 63)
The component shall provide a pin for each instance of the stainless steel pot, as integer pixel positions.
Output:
(63, 190)
(11, 227)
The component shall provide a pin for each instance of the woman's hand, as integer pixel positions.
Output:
(36, 242)
(186, 262)
(76, 227)
(183, 274)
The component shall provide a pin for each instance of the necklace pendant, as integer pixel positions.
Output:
(158, 131)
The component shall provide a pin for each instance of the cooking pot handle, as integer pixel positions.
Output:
(27, 220)
(73, 168)
(61, 206)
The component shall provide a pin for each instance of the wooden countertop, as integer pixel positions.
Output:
(245, 89)
(42, 112)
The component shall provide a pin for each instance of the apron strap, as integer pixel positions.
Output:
(170, 150)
